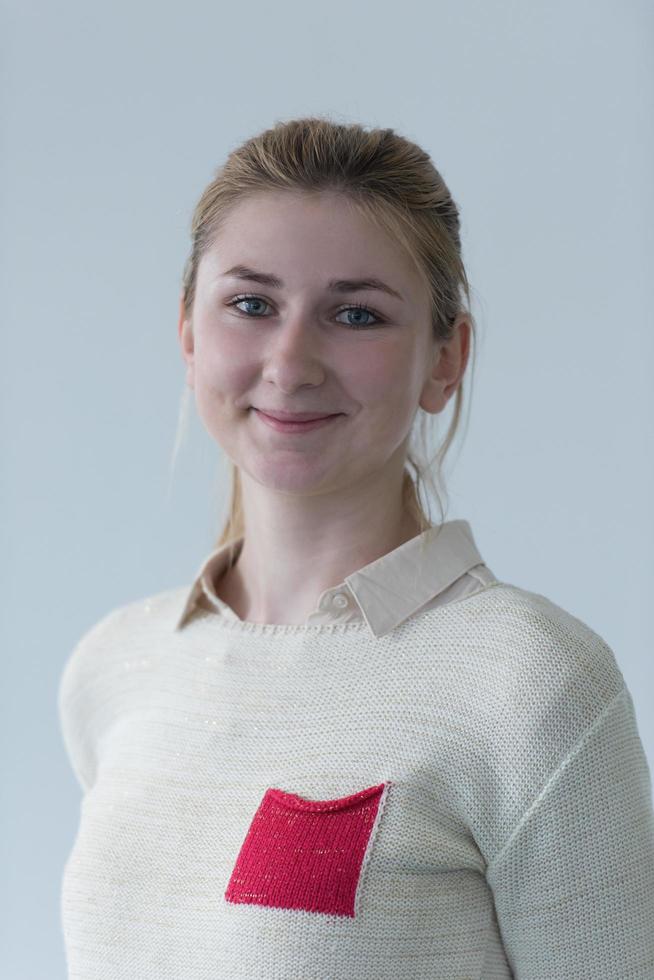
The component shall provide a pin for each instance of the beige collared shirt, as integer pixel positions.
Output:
(433, 568)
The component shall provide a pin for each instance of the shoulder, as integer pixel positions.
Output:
(151, 612)
(545, 661)
(551, 719)
(97, 675)
(123, 629)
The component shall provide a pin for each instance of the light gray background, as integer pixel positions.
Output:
(114, 118)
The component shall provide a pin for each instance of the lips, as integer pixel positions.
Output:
(293, 426)
(295, 416)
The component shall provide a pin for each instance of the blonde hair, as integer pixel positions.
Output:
(391, 181)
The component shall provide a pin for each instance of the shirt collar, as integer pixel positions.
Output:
(387, 590)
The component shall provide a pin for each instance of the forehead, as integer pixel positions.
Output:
(298, 232)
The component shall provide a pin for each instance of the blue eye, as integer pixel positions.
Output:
(360, 308)
(246, 299)
(357, 307)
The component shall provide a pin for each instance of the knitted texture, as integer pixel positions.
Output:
(301, 854)
(466, 796)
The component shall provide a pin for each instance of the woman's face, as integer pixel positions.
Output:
(299, 346)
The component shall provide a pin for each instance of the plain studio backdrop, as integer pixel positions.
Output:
(114, 118)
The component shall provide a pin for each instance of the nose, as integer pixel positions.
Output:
(293, 354)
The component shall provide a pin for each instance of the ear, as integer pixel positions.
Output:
(448, 367)
(186, 339)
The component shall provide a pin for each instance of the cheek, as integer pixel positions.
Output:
(384, 382)
(220, 394)
(223, 370)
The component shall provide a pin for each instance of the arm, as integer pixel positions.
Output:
(574, 884)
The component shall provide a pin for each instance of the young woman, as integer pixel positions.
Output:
(346, 749)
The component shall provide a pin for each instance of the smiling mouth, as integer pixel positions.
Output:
(281, 425)
(295, 416)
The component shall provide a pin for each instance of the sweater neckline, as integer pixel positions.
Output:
(243, 626)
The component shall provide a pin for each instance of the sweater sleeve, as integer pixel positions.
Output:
(82, 690)
(574, 884)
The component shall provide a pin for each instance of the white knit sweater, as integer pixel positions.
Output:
(430, 784)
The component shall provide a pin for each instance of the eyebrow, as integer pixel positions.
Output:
(335, 285)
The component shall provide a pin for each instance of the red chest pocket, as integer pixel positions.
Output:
(306, 854)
